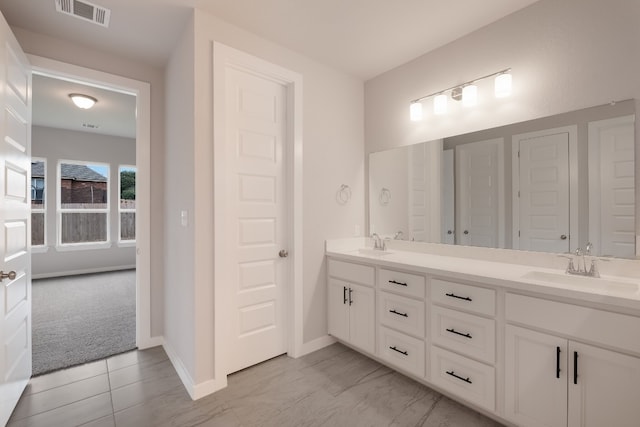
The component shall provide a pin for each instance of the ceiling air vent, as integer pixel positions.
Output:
(84, 10)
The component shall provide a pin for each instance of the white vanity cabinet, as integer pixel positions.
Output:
(463, 337)
(401, 317)
(352, 303)
(552, 379)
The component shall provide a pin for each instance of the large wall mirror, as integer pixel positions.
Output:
(550, 185)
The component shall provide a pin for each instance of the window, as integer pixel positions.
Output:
(127, 206)
(83, 202)
(38, 207)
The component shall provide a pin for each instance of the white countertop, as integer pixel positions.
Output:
(611, 290)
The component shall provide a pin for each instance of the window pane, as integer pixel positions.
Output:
(127, 187)
(37, 229)
(127, 226)
(83, 186)
(84, 227)
(37, 184)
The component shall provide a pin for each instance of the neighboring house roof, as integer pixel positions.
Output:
(69, 171)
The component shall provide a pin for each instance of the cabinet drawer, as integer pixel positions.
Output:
(402, 313)
(402, 351)
(471, 380)
(467, 297)
(404, 283)
(603, 327)
(358, 273)
(465, 333)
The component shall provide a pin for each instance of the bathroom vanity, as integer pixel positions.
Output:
(521, 342)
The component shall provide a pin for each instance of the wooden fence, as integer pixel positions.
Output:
(83, 227)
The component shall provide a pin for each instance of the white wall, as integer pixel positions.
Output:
(333, 145)
(54, 145)
(76, 54)
(565, 55)
(389, 170)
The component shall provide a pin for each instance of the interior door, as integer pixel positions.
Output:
(612, 186)
(544, 193)
(418, 194)
(479, 167)
(15, 222)
(256, 133)
(448, 198)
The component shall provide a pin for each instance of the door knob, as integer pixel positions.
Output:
(449, 232)
(563, 237)
(283, 253)
(10, 275)
(466, 231)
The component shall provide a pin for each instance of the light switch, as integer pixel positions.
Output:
(184, 218)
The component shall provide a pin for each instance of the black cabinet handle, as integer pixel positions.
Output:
(557, 362)
(453, 374)
(406, 353)
(350, 299)
(575, 367)
(344, 295)
(398, 313)
(453, 331)
(459, 297)
(397, 283)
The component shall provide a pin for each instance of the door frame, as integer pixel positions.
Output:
(224, 56)
(142, 92)
(572, 130)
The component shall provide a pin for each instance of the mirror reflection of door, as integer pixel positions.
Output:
(480, 190)
(612, 187)
(448, 198)
(542, 177)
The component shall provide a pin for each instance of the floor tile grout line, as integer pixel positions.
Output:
(60, 407)
(65, 384)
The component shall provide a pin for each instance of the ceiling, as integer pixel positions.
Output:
(363, 38)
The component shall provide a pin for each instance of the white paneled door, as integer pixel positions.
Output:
(544, 193)
(15, 187)
(256, 130)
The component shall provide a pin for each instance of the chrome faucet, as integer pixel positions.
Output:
(581, 270)
(398, 235)
(378, 243)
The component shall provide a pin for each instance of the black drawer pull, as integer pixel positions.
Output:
(398, 313)
(350, 299)
(459, 297)
(453, 374)
(397, 283)
(557, 362)
(453, 331)
(575, 367)
(344, 295)
(406, 353)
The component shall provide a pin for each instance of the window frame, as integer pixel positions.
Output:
(121, 242)
(60, 210)
(43, 247)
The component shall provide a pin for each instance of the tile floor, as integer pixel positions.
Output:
(334, 386)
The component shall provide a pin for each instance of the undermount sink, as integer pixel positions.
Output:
(372, 252)
(582, 281)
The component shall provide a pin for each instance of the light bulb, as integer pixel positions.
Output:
(470, 95)
(502, 86)
(440, 104)
(415, 111)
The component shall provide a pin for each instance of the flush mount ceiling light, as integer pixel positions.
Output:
(82, 101)
(466, 92)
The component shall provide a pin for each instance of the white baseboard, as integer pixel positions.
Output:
(317, 344)
(86, 271)
(150, 342)
(196, 391)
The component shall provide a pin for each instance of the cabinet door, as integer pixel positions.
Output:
(535, 378)
(339, 309)
(606, 389)
(361, 317)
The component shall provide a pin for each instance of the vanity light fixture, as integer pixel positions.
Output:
(440, 104)
(415, 111)
(466, 92)
(83, 101)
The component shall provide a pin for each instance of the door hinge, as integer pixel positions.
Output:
(518, 193)
(518, 233)
(518, 153)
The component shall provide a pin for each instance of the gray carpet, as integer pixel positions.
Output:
(77, 319)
